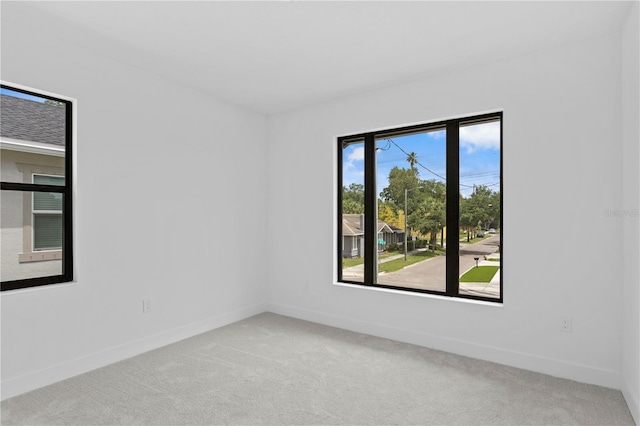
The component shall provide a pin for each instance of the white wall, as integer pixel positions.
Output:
(169, 206)
(630, 205)
(562, 254)
(157, 216)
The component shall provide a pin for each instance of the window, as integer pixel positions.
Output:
(426, 204)
(47, 215)
(35, 220)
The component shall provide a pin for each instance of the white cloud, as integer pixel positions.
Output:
(352, 173)
(480, 136)
(356, 155)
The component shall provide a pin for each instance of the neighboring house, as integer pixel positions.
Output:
(32, 150)
(397, 237)
(353, 235)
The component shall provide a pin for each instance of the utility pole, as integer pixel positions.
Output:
(405, 218)
(405, 224)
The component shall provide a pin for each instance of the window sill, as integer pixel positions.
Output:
(425, 295)
(40, 256)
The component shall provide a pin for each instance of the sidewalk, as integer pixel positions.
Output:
(358, 270)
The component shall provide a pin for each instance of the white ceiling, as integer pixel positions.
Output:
(275, 56)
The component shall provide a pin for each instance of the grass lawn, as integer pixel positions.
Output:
(347, 263)
(397, 264)
(480, 274)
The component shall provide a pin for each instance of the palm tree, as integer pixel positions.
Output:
(412, 158)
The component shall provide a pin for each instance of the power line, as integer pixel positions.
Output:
(386, 148)
(423, 166)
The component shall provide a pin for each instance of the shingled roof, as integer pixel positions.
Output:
(351, 225)
(32, 121)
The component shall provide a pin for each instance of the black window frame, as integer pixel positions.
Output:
(67, 204)
(452, 127)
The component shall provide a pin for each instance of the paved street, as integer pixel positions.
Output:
(430, 274)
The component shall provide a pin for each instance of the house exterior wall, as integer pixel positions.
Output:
(349, 249)
(392, 238)
(16, 254)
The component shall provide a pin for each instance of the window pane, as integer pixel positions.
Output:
(33, 131)
(352, 244)
(47, 231)
(48, 180)
(50, 201)
(17, 257)
(412, 207)
(480, 209)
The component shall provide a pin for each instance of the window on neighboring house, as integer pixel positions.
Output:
(439, 186)
(47, 215)
(35, 221)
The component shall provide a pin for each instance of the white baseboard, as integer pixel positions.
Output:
(552, 367)
(37, 379)
(586, 374)
(632, 402)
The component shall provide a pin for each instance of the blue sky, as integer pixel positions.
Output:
(15, 94)
(479, 157)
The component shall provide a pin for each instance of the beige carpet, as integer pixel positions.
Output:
(275, 370)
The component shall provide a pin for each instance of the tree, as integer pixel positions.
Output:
(351, 207)
(429, 218)
(482, 200)
(387, 213)
(353, 199)
(482, 208)
(495, 209)
(412, 158)
(401, 219)
(470, 216)
(399, 180)
(425, 199)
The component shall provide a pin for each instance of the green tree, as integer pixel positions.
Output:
(430, 217)
(426, 201)
(495, 209)
(412, 158)
(399, 180)
(351, 207)
(481, 208)
(353, 199)
(483, 202)
(470, 216)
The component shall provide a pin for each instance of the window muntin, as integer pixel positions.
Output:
(427, 171)
(36, 142)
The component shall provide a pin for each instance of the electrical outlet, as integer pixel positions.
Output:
(566, 325)
(146, 306)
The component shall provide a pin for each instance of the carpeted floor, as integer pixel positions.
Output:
(275, 370)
